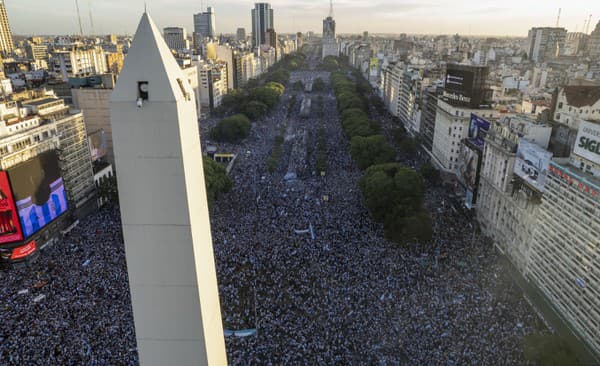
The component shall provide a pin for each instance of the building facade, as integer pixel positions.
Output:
(565, 247)
(329, 42)
(176, 38)
(6, 40)
(78, 62)
(262, 19)
(204, 23)
(546, 43)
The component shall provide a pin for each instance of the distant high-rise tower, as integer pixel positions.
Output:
(204, 23)
(330, 45)
(241, 34)
(164, 208)
(594, 43)
(262, 19)
(6, 40)
(546, 43)
(176, 38)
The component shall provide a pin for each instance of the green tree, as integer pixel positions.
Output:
(430, 173)
(408, 146)
(298, 85)
(412, 228)
(280, 76)
(265, 94)
(255, 109)
(394, 195)
(549, 350)
(377, 103)
(398, 134)
(231, 129)
(372, 150)
(215, 178)
(318, 85)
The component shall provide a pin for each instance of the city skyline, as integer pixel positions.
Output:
(469, 18)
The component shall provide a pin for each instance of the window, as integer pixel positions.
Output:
(560, 105)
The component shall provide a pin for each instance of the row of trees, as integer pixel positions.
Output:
(321, 163)
(216, 179)
(393, 193)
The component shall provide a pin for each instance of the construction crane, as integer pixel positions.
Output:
(79, 17)
(587, 27)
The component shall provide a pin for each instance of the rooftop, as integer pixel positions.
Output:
(41, 101)
(581, 96)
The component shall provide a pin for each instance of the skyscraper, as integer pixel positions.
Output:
(241, 34)
(174, 292)
(204, 23)
(262, 19)
(6, 40)
(546, 43)
(330, 46)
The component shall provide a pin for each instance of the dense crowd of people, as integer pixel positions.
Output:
(72, 306)
(348, 296)
(337, 294)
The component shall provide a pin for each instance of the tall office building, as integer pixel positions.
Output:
(6, 40)
(176, 38)
(174, 292)
(241, 34)
(330, 46)
(262, 19)
(594, 43)
(204, 23)
(546, 43)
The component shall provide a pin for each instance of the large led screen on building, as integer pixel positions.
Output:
(587, 144)
(478, 129)
(39, 192)
(532, 164)
(10, 228)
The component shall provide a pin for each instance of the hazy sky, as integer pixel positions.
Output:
(507, 17)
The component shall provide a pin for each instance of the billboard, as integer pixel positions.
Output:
(39, 192)
(10, 228)
(97, 143)
(467, 167)
(532, 163)
(478, 129)
(458, 85)
(587, 144)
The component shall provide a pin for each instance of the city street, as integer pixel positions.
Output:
(349, 296)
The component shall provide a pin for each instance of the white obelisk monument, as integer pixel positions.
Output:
(164, 209)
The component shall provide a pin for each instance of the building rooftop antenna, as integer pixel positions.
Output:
(331, 8)
(79, 17)
(558, 18)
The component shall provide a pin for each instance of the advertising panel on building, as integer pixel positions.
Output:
(587, 144)
(459, 86)
(10, 228)
(39, 192)
(467, 172)
(532, 164)
(478, 130)
(97, 143)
